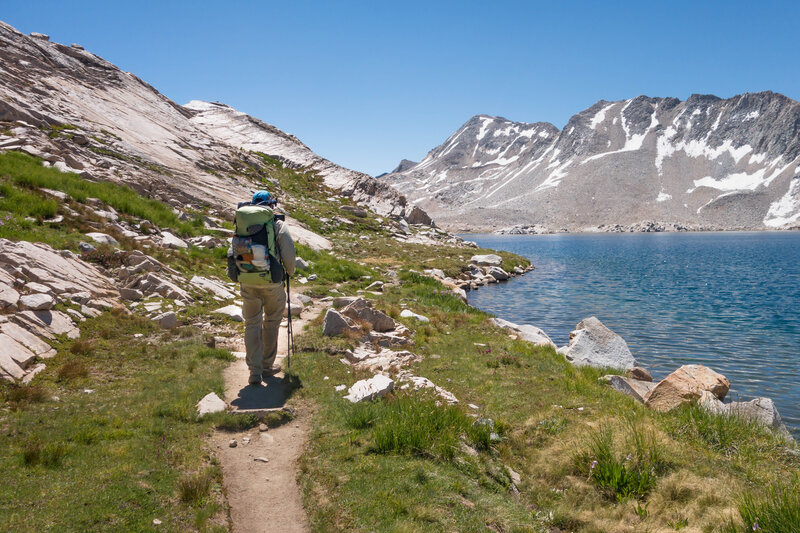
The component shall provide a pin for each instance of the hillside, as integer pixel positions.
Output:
(89, 116)
(638, 164)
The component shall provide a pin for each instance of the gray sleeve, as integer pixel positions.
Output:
(286, 246)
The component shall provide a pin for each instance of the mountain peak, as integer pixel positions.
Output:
(706, 162)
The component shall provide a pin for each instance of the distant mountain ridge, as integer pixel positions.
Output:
(642, 163)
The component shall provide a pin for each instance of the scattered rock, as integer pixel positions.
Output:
(639, 373)
(169, 240)
(487, 260)
(168, 320)
(32, 373)
(418, 382)
(85, 247)
(261, 459)
(296, 309)
(418, 216)
(37, 301)
(263, 427)
(335, 324)
(103, 238)
(131, 294)
(305, 300)
(593, 344)
(526, 332)
(407, 313)
(374, 286)
(759, 410)
(211, 403)
(233, 311)
(27, 339)
(232, 443)
(362, 309)
(685, 385)
(354, 210)
(342, 301)
(47, 324)
(497, 273)
(216, 288)
(300, 263)
(364, 356)
(9, 369)
(369, 389)
(634, 388)
(205, 241)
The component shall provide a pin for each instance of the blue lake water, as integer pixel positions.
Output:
(730, 301)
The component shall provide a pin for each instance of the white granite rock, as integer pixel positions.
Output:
(214, 287)
(369, 389)
(233, 311)
(37, 301)
(103, 238)
(487, 260)
(211, 403)
(525, 332)
(407, 313)
(169, 240)
(593, 344)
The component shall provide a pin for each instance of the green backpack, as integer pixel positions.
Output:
(254, 246)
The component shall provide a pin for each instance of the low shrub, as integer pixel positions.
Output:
(72, 370)
(622, 475)
(194, 488)
(50, 455)
(18, 396)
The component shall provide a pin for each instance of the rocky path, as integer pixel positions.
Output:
(260, 473)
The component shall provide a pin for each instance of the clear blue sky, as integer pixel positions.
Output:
(366, 84)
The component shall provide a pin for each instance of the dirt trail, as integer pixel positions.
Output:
(264, 496)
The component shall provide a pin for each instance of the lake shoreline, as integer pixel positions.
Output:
(677, 307)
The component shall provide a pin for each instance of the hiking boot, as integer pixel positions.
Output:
(271, 372)
(255, 379)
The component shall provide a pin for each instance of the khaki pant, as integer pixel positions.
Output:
(262, 309)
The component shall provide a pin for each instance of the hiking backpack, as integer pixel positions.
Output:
(255, 247)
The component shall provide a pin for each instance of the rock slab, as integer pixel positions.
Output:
(686, 385)
(636, 389)
(593, 344)
(525, 332)
(369, 389)
(335, 324)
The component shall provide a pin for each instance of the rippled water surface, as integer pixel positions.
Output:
(730, 301)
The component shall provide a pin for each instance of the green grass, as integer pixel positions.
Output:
(417, 426)
(627, 473)
(21, 175)
(116, 458)
(777, 511)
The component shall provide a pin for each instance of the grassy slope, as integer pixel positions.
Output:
(396, 465)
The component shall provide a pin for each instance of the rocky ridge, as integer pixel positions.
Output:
(643, 164)
(83, 114)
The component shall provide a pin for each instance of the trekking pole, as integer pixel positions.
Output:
(289, 332)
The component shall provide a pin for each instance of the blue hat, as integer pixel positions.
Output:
(264, 198)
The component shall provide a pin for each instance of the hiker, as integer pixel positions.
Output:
(260, 258)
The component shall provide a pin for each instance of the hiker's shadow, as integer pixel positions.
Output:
(272, 394)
